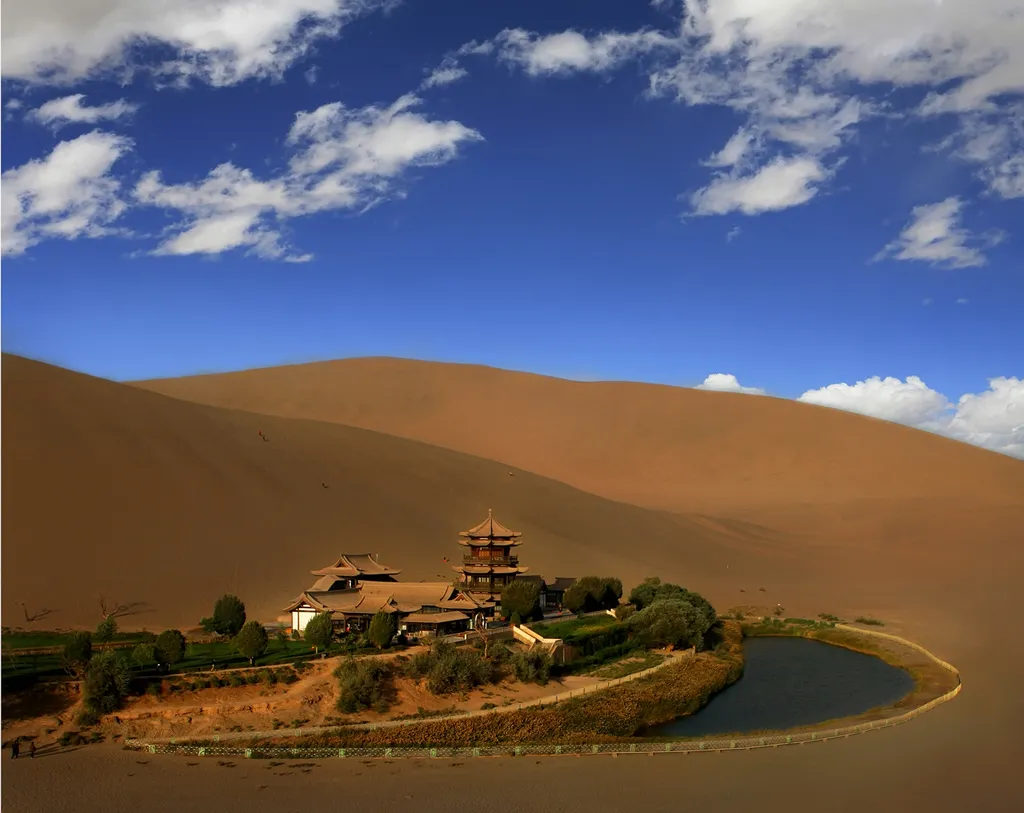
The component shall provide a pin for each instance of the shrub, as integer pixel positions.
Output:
(487, 706)
(77, 652)
(106, 683)
(363, 684)
(87, 718)
(671, 622)
(289, 677)
(252, 641)
(319, 631)
(228, 616)
(521, 600)
(235, 680)
(382, 629)
(252, 677)
(170, 648)
(624, 611)
(871, 622)
(592, 593)
(106, 630)
(532, 666)
(143, 654)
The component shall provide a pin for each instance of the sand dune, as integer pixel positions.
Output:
(664, 447)
(109, 487)
(112, 490)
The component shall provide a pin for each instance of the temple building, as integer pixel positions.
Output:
(357, 586)
(489, 563)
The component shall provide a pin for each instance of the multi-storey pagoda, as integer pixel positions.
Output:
(489, 563)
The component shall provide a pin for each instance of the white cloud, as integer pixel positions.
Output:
(69, 109)
(726, 382)
(732, 234)
(310, 75)
(13, 104)
(343, 159)
(218, 41)
(570, 51)
(993, 419)
(780, 184)
(68, 194)
(934, 235)
(444, 74)
(927, 301)
(961, 301)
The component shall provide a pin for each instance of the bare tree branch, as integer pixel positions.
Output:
(115, 610)
(30, 617)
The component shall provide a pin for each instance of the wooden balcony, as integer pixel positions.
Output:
(497, 561)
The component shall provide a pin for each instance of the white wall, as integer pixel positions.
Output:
(301, 617)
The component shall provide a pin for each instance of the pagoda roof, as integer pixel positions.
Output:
(561, 583)
(483, 569)
(401, 597)
(490, 528)
(356, 564)
(436, 618)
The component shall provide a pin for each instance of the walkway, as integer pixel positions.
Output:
(548, 700)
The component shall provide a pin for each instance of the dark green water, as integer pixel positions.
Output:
(790, 682)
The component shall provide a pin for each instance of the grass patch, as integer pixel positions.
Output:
(871, 622)
(571, 627)
(634, 662)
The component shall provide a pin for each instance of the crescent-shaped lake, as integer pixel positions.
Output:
(793, 682)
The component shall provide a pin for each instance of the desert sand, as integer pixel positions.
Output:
(120, 489)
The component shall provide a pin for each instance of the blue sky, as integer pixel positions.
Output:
(655, 192)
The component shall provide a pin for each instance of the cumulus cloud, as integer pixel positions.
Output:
(342, 159)
(993, 419)
(780, 184)
(217, 41)
(444, 74)
(726, 382)
(801, 74)
(70, 110)
(67, 194)
(570, 51)
(934, 235)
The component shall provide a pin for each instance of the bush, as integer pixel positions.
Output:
(672, 622)
(228, 616)
(624, 611)
(532, 666)
(143, 654)
(382, 629)
(363, 684)
(235, 680)
(87, 718)
(106, 683)
(448, 668)
(592, 593)
(521, 600)
(252, 678)
(170, 648)
(106, 630)
(78, 652)
(252, 641)
(319, 631)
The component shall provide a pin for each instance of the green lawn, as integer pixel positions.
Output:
(633, 662)
(572, 626)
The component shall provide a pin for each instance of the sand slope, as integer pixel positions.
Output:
(108, 489)
(663, 447)
(112, 487)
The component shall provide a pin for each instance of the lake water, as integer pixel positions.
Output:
(790, 682)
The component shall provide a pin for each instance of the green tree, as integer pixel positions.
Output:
(671, 622)
(522, 599)
(382, 629)
(106, 683)
(169, 648)
(228, 616)
(144, 654)
(319, 631)
(592, 593)
(252, 641)
(77, 652)
(106, 630)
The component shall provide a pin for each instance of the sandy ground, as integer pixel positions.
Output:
(918, 531)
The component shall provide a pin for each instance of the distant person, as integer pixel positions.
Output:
(15, 747)
(32, 749)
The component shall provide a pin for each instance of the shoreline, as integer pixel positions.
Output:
(912, 705)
